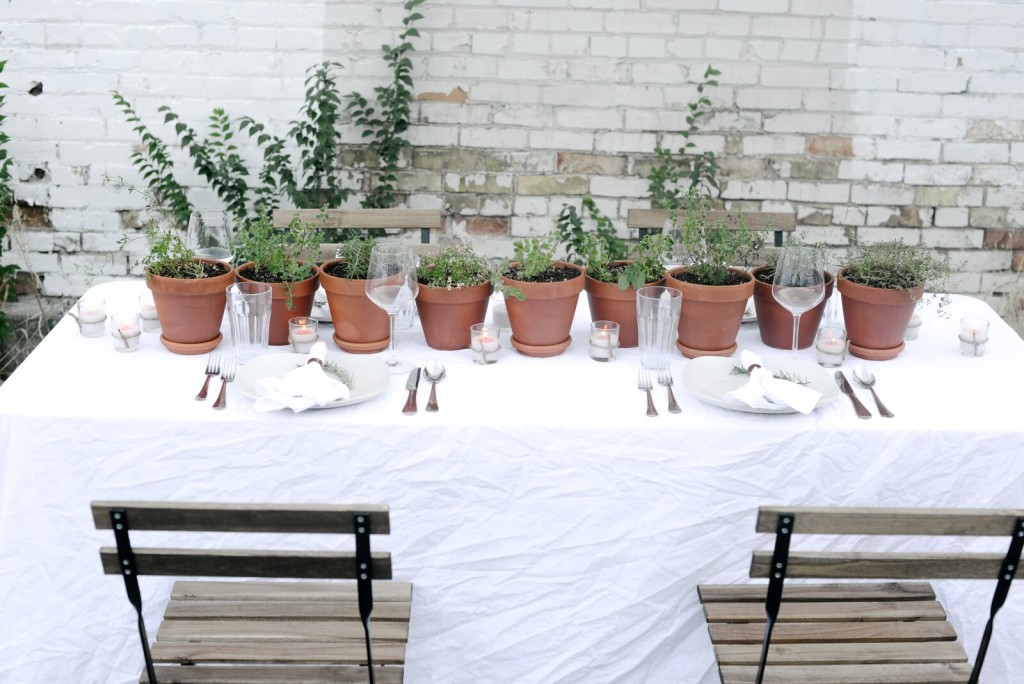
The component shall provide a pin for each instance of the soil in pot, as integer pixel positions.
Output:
(360, 326)
(710, 315)
(191, 310)
(446, 314)
(876, 319)
(775, 323)
(608, 303)
(541, 322)
(302, 294)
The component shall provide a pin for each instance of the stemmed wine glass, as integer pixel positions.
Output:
(799, 283)
(209, 235)
(391, 284)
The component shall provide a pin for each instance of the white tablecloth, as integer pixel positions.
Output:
(553, 532)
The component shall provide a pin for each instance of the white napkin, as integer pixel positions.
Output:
(302, 388)
(763, 390)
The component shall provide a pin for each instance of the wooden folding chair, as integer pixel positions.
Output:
(647, 220)
(264, 632)
(423, 220)
(856, 633)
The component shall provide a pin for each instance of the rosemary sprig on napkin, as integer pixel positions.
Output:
(778, 375)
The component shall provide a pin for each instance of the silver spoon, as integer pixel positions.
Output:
(863, 376)
(435, 373)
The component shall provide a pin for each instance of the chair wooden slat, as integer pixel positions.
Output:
(833, 591)
(247, 563)
(820, 632)
(383, 611)
(840, 611)
(894, 521)
(316, 674)
(278, 631)
(308, 653)
(854, 565)
(930, 673)
(199, 591)
(847, 653)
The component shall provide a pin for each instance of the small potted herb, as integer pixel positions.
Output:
(775, 322)
(455, 285)
(360, 326)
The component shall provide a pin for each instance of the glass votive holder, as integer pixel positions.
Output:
(913, 328)
(148, 314)
(604, 340)
(830, 346)
(484, 342)
(92, 317)
(973, 336)
(126, 329)
(303, 333)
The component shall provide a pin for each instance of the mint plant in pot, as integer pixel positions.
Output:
(774, 322)
(880, 284)
(280, 258)
(360, 326)
(713, 281)
(541, 293)
(455, 286)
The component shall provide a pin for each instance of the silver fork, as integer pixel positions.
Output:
(226, 376)
(644, 383)
(212, 368)
(665, 378)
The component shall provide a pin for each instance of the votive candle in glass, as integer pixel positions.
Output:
(303, 334)
(148, 314)
(484, 342)
(92, 317)
(973, 336)
(831, 346)
(604, 340)
(126, 329)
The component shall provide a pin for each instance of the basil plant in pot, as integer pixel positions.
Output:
(880, 284)
(455, 286)
(713, 280)
(611, 284)
(282, 258)
(775, 322)
(541, 293)
(360, 326)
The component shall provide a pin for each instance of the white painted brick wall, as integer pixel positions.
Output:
(896, 103)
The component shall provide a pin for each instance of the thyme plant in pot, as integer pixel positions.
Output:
(278, 257)
(611, 284)
(774, 322)
(360, 326)
(713, 281)
(541, 293)
(880, 285)
(455, 286)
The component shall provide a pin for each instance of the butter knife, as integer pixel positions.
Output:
(844, 385)
(411, 384)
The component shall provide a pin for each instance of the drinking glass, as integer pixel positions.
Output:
(391, 284)
(799, 283)
(209, 235)
(657, 319)
(248, 307)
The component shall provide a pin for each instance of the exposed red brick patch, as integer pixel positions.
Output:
(486, 225)
(1017, 261)
(33, 216)
(456, 95)
(601, 164)
(1002, 238)
(831, 146)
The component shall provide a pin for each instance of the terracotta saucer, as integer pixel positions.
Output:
(541, 350)
(196, 348)
(690, 353)
(876, 354)
(361, 347)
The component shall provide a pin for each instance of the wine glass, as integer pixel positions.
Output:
(209, 235)
(799, 283)
(391, 284)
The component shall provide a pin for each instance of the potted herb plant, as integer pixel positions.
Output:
(541, 293)
(455, 285)
(278, 257)
(360, 326)
(189, 293)
(715, 289)
(880, 285)
(775, 322)
(611, 284)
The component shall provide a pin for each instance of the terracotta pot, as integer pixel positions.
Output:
(302, 301)
(447, 314)
(710, 315)
(608, 303)
(775, 322)
(360, 326)
(876, 318)
(540, 323)
(191, 309)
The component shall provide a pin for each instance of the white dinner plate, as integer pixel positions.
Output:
(710, 378)
(370, 375)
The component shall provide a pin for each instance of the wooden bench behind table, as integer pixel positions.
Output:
(423, 220)
(856, 633)
(647, 220)
(246, 632)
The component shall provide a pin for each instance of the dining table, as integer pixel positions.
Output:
(552, 530)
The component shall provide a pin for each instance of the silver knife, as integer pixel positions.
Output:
(411, 384)
(844, 385)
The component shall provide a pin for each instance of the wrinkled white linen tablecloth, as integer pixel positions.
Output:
(553, 532)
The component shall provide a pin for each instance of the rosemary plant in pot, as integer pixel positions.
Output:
(715, 289)
(541, 293)
(360, 326)
(455, 285)
(611, 284)
(189, 293)
(774, 322)
(880, 285)
(278, 257)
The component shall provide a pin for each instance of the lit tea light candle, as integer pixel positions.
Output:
(302, 333)
(604, 340)
(126, 330)
(484, 343)
(831, 347)
(973, 336)
(92, 317)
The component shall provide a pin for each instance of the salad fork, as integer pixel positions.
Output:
(212, 368)
(226, 376)
(665, 378)
(644, 384)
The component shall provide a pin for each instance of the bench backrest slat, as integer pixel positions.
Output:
(363, 218)
(892, 521)
(246, 563)
(655, 219)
